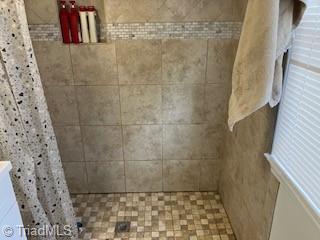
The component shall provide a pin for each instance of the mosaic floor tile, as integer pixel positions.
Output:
(153, 216)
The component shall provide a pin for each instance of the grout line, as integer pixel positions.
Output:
(205, 111)
(121, 122)
(119, 125)
(199, 175)
(81, 130)
(147, 160)
(207, 60)
(220, 84)
(162, 124)
(190, 11)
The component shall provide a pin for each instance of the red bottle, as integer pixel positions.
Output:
(74, 22)
(64, 22)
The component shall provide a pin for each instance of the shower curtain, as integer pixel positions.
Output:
(26, 135)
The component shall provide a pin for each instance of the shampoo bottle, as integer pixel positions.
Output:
(92, 24)
(64, 22)
(74, 22)
(84, 24)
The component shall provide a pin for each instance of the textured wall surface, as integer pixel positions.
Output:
(146, 19)
(139, 11)
(247, 186)
(172, 10)
(139, 115)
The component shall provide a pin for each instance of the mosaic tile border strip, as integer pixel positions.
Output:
(118, 31)
(187, 30)
(46, 32)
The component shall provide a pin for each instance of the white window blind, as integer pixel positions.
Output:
(296, 146)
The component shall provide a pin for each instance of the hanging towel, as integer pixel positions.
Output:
(257, 72)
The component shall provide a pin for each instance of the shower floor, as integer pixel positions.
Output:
(153, 216)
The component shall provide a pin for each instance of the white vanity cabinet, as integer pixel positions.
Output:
(10, 218)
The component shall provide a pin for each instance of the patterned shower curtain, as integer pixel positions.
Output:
(26, 135)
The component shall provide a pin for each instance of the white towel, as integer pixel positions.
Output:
(257, 72)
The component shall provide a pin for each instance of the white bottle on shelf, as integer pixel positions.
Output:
(92, 24)
(84, 24)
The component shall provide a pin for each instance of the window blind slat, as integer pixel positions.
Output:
(290, 159)
(293, 169)
(296, 145)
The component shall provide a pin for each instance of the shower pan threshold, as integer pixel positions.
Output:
(153, 216)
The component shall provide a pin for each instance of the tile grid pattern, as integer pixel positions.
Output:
(159, 30)
(167, 124)
(153, 216)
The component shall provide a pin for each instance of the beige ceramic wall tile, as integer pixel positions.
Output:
(94, 64)
(238, 216)
(270, 201)
(99, 105)
(255, 200)
(183, 103)
(211, 10)
(216, 103)
(53, 59)
(167, 10)
(70, 143)
(106, 177)
(42, 12)
(239, 9)
(76, 177)
(209, 175)
(247, 175)
(261, 139)
(143, 142)
(102, 143)
(62, 105)
(140, 104)
(221, 54)
(213, 140)
(257, 167)
(144, 176)
(181, 175)
(246, 143)
(174, 10)
(184, 61)
(183, 141)
(139, 61)
(131, 10)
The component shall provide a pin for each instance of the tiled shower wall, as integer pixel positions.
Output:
(139, 115)
(152, 137)
(147, 19)
(248, 188)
